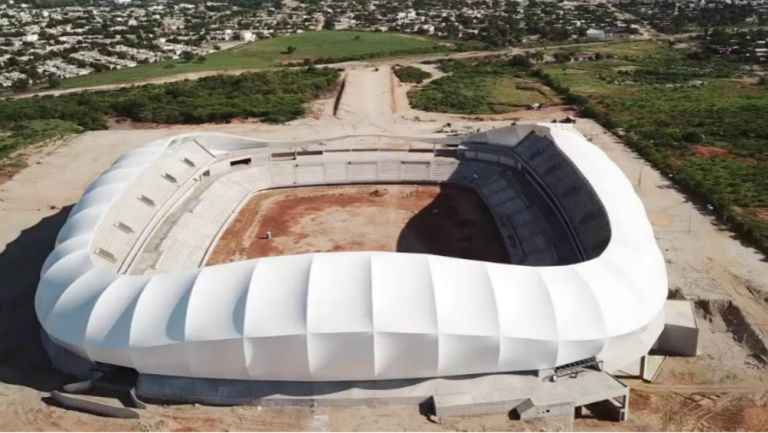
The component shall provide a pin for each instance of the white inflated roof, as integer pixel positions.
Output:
(359, 315)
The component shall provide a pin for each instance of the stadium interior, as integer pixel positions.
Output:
(170, 218)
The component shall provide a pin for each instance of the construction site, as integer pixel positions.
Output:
(437, 271)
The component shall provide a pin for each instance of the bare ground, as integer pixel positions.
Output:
(443, 220)
(724, 388)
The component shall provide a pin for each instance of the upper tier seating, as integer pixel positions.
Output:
(169, 218)
(581, 206)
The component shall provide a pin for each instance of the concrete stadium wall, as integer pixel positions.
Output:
(169, 218)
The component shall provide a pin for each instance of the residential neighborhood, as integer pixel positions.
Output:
(47, 41)
(683, 16)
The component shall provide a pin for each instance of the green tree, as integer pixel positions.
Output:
(53, 81)
(536, 56)
(329, 24)
(519, 60)
(562, 57)
(187, 56)
(20, 85)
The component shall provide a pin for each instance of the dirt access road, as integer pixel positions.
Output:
(720, 389)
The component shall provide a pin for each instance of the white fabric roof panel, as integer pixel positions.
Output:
(358, 315)
(402, 295)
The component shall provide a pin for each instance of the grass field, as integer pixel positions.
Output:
(632, 49)
(509, 93)
(695, 120)
(325, 45)
(486, 87)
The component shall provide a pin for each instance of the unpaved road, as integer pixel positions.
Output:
(704, 261)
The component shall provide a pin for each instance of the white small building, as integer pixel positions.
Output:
(247, 36)
(427, 28)
(173, 24)
(596, 34)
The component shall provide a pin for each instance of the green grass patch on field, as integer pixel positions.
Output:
(632, 49)
(484, 87)
(698, 121)
(324, 47)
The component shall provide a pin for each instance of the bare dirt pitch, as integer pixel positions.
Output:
(445, 220)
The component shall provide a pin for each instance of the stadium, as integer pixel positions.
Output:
(211, 256)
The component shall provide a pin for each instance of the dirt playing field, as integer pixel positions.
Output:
(445, 220)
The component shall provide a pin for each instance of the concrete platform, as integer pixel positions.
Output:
(680, 337)
(681, 330)
(474, 404)
(646, 368)
(458, 396)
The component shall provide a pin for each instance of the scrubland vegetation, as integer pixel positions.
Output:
(16, 135)
(701, 122)
(411, 74)
(488, 86)
(270, 96)
(697, 121)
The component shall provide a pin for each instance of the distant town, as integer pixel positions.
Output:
(46, 41)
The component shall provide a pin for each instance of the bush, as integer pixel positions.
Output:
(53, 81)
(598, 115)
(187, 56)
(692, 137)
(411, 74)
(520, 60)
(20, 85)
(578, 100)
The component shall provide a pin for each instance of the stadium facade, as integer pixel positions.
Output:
(585, 278)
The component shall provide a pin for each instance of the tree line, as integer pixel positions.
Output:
(273, 96)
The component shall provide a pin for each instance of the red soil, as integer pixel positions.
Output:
(707, 151)
(762, 212)
(443, 220)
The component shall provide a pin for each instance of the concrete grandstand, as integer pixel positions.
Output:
(128, 283)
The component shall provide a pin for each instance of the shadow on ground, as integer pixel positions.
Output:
(22, 358)
(456, 223)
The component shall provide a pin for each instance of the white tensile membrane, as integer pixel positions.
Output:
(358, 315)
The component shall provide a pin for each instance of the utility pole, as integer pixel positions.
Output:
(690, 219)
